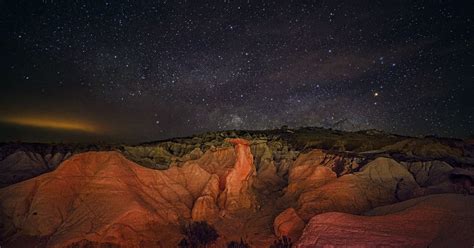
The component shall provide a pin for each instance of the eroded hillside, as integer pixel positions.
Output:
(254, 185)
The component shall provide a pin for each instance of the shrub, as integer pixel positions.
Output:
(283, 242)
(198, 234)
(235, 244)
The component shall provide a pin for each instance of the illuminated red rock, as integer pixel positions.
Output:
(102, 197)
(302, 178)
(434, 221)
(217, 161)
(317, 168)
(205, 207)
(380, 182)
(238, 181)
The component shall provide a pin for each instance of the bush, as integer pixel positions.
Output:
(235, 244)
(283, 242)
(198, 234)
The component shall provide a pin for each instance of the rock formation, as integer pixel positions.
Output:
(429, 173)
(380, 182)
(289, 224)
(205, 207)
(433, 221)
(237, 192)
(100, 196)
(255, 185)
(22, 165)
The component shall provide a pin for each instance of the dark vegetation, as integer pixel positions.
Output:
(235, 244)
(92, 244)
(283, 242)
(197, 234)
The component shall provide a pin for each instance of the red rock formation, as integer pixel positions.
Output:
(238, 193)
(102, 197)
(289, 224)
(434, 221)
(205, 207)
(381, 182)
(316, 168)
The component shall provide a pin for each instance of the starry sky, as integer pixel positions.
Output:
(146, 70)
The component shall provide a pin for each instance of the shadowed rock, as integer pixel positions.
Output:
(434, 221)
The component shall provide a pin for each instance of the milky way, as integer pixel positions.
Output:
(151, 70)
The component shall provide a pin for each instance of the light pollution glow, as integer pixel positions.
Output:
(52, 123)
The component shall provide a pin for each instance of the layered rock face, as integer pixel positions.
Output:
(433, 221)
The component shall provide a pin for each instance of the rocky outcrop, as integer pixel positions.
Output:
(101, 196)
(429, 173)
(205, 207)
(163, 155)
(434, 221)
(266, 159)
(380, 182)
(425, 148)
(151, 157)
(316, 168)
(22, 161)
(217, 161)
(22, 165)
(339, 163)
(258, 188)
(237, 192)
(289, 224)
(463, 180)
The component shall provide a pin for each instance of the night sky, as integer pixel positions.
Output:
(138, 71)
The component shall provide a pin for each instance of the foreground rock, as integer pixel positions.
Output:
(380, 182)
(433, 221)
(258, 189)
(100, 197)
(289, 224)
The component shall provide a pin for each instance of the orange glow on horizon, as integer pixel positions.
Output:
(52, 123)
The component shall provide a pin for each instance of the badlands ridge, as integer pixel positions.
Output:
(321, 188)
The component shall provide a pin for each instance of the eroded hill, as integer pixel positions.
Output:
(254, 185)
